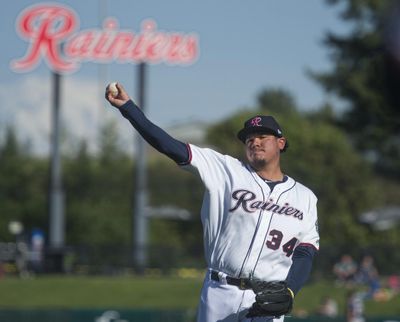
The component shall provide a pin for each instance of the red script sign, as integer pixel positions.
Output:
(49, 28)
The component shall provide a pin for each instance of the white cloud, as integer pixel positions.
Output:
(27, 106)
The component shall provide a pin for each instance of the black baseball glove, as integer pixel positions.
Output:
(272, 299)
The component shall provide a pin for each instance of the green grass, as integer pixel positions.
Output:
(99, 292)
(60, 292)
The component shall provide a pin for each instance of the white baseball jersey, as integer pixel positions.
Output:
(250, 230)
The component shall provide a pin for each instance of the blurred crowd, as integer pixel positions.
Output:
(350, 274)
(363, 282)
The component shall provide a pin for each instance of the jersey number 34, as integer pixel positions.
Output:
(275, 242)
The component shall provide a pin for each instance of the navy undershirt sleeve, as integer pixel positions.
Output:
(155, 136)
(301, 267)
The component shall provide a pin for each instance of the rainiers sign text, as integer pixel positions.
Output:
(51, 32)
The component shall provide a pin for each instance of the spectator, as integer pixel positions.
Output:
(394, 283)
(328, 308)
(21, 259)
(345, 270)
(368, 275)
(355, 307)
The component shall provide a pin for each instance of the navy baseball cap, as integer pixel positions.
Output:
(260, 124)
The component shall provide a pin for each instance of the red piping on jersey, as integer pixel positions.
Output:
(190, 153)
(308, 245)
(190, 156)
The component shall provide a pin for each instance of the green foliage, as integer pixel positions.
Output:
(366, 75)
(23, 187)
(99, 190)
(320, 156)
(277, 100)
(171, 186)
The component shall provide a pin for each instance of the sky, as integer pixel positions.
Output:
(244, 47)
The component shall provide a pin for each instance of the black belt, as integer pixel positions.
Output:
(242, 283)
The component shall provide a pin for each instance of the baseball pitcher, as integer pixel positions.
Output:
(260, 225)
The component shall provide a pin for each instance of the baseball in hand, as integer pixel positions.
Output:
(112, 88)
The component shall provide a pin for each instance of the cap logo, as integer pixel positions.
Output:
(256, 121)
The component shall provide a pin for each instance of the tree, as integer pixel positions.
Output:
(321, 157)
(182, 239)
(23, 181)
(277, 100)
(366, 75)
(99, 190)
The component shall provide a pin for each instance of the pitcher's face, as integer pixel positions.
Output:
(263, 149)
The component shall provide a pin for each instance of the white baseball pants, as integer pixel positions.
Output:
(220, 302)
